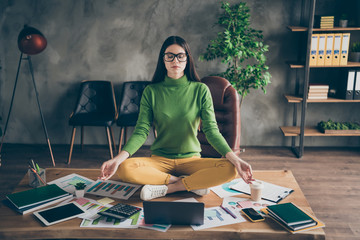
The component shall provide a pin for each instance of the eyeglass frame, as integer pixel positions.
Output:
(175, 56)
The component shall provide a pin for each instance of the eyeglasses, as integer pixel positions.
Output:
(169, 57)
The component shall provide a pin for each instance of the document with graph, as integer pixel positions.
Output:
(68, 182)
(216, 216)
(113, 189)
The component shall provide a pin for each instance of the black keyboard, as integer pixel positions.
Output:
(121, 211)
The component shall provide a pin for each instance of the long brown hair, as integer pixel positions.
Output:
(161, 71)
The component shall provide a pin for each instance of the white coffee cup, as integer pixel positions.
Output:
(256, 188)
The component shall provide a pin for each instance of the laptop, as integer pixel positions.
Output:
(176, 213)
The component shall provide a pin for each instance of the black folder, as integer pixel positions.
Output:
(346, 85)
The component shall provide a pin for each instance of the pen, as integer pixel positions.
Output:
(30, 164)
(37, 168)
(228, 211)
(33, 170)
(33, 164)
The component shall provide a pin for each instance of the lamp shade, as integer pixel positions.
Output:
(31, 41)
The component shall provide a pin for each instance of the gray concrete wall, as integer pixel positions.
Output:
(119, 40)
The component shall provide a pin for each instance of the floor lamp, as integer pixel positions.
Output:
(30, 41)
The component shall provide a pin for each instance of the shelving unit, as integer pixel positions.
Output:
(295, 65)
(300, 131)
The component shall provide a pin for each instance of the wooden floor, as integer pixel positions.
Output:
(329, 177)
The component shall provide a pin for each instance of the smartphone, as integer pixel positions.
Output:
(252, 214)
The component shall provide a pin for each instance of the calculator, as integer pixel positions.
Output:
(120, 211)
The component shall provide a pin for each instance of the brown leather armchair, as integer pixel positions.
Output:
(227, 112)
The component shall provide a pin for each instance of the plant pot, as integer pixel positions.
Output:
(80, 193)
(354, 56)
(343, 23)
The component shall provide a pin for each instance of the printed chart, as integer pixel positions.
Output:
(225, 190)
(235, 204)
(91, 207)
(216, 216)
(113, 189)
(68, 182)
(156, 227)
(108, 222)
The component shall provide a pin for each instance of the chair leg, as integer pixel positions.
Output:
(113, 139)
(71, 144)
(109, 142)
(82, 138)
(121, 138)
(125, 135)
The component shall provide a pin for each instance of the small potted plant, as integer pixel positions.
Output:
(80, 189)
(355, 52)
(343, 22)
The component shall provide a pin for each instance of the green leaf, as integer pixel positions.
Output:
(241, 48)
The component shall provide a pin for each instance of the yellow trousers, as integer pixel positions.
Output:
(200, 172)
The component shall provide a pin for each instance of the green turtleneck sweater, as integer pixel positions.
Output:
(175, 107)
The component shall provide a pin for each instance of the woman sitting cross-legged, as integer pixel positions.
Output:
(174, 103)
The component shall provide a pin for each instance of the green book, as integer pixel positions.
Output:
(290, 214)
(36, 196)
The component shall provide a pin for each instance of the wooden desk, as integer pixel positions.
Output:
(15, 226)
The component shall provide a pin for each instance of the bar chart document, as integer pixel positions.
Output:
(113, 189)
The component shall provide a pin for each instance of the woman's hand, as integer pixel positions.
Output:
(242, 167)
(108, 168)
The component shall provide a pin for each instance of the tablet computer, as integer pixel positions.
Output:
(60, 213)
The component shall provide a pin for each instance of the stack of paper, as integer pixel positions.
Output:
(318, 91)
(36, 198)
(292, 217)
(324, 21)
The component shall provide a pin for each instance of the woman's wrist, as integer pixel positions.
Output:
(233, 158)
(122, 156)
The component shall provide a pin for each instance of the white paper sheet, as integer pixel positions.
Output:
(225, 190)
(68, 182)
(270, 192)
(216, 216)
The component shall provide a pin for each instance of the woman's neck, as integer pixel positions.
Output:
(175, 75)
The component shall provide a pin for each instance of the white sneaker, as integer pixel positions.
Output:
(200, 192)
(149, 192)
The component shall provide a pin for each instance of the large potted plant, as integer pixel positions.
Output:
(241, 48)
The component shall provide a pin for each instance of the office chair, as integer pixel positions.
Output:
(129, 107)
(227, 112)
(95, 106)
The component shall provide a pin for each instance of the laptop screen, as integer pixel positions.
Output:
(176, 213)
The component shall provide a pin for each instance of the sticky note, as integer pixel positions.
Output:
(105, 201)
